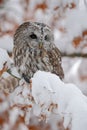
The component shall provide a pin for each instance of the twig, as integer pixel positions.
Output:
(9, 71)
(84, 55)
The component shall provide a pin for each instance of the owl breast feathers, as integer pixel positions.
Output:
(34, 49)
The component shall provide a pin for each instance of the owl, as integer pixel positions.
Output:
(34, 50)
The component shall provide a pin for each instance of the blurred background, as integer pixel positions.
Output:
(68, 20)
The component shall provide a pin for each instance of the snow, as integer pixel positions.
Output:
(6, 42)
(13, 116)
(4, 59)
(21, 96)
(48, 96)
(74, 16)
(75, 72)
(14, 71)
(22, 127)
(73, 22)
(14, 10)
(47, 88)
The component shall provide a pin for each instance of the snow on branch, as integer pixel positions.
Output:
(48, 95)
(67, 100)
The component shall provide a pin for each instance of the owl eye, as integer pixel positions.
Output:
(33, 36)
(47, 38)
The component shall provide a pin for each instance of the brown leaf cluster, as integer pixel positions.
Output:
(79, 39)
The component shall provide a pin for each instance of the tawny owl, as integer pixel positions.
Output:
(34, 49)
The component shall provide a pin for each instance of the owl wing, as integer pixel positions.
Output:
(23, 61)
(55, 60)
(18, 56)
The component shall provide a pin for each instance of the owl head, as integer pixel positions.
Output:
(35, 35)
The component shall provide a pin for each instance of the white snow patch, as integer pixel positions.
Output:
(72, 104)
(6, 42)
(4, 59)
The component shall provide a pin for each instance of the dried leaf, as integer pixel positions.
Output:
(77, 41)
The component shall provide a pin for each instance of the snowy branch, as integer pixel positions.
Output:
(48, 95)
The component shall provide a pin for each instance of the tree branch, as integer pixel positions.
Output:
(84, 55)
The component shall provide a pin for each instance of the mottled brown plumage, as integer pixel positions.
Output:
(34, 49)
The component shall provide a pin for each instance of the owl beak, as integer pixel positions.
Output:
(40, 45)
